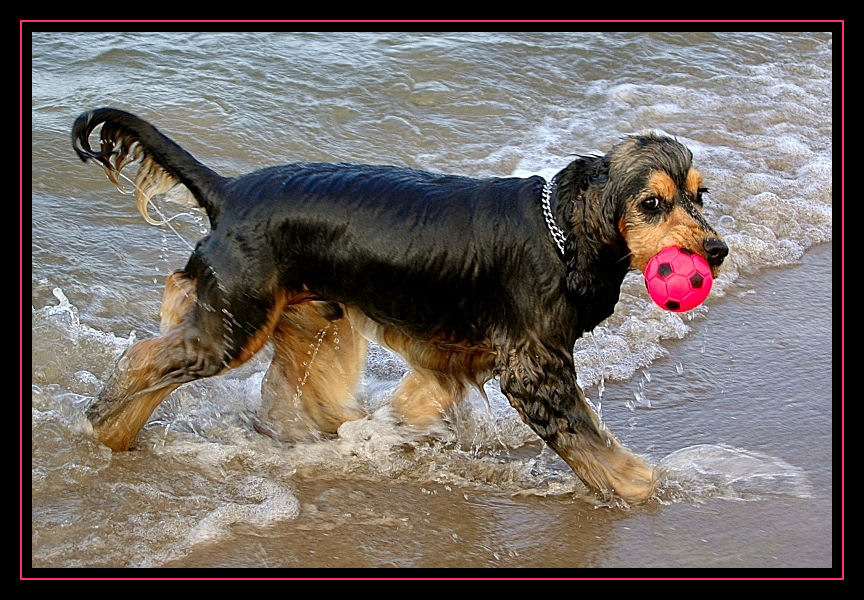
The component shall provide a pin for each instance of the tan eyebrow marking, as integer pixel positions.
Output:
(694, 181)
(660, 184)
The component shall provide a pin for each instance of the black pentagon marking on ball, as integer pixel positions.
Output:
(664, 270)
(672, 305)
(696, 281)
(686, 251)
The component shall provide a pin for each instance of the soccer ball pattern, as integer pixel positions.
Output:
(678, 279)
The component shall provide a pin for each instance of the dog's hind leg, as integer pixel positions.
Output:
(115, 422)
(310, 386)
(200, 337)
(424, 396)
(440, 371)
(177, 300)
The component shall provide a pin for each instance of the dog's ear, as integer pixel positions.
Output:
(588, 206)
(579, 175)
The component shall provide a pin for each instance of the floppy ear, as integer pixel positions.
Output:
(580, 173)
(594, 244)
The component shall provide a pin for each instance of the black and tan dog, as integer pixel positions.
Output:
(467, 279)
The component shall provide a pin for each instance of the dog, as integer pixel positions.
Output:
(467, 279)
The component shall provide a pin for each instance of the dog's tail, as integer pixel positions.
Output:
(164, 164)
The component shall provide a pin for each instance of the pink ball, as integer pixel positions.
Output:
(678, 279)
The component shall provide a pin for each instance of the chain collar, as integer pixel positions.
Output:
(557, 234)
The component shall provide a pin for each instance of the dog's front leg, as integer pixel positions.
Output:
(540, 383)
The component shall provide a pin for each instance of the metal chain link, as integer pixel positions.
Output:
(557, 233)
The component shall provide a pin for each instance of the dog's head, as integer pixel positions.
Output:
(643, 196)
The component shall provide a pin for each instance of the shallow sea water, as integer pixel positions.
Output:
(735, 400)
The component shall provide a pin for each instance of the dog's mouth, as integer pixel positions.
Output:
(714, 254)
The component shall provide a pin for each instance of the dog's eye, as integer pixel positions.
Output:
(699, 193)
(651, 204)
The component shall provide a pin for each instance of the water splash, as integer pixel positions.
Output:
(704, 471)
(63, 308)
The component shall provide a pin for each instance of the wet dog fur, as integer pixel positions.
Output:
(458, 275)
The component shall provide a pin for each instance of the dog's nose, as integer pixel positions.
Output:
(716, 251)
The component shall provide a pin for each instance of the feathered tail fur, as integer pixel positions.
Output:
(164, 164)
